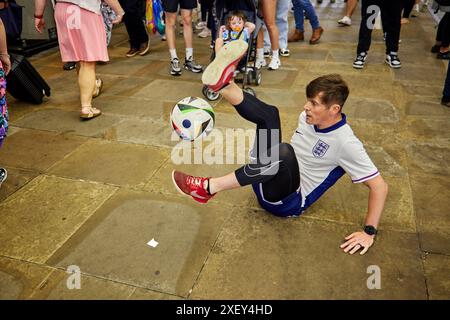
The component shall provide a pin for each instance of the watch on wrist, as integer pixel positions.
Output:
(370, 230)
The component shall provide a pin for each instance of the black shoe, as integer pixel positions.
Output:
(445, 101)
(191, 65)
(443, 55)
(175, 68)
(69, 66)
(360, 60)
(393, 61)
(435, 48)
(3, 175)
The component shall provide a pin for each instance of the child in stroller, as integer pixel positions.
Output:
(236, 28)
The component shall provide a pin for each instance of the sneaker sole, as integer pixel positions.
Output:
(229, 54)
(261, 66)
(272, 69)
(356, 66)
(172, 73)
(143, 53)
(193, 70)
(181, 191)
(392, 66)
(132, 55)
(4, 178)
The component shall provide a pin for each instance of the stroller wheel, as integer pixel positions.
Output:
(258, 77)
(250, 77)
(209, 94)
(250, 91)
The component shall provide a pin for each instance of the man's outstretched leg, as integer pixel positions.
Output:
(271, 183)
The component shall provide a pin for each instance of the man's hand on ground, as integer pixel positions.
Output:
(356, 241)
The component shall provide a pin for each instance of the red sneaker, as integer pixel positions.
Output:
(220, 72)
(191, 186)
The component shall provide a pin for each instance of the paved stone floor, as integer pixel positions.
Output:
(92, 194)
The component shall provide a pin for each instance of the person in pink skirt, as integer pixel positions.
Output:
(82, 38)
(5, 67)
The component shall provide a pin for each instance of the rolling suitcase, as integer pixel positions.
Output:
(24, 82)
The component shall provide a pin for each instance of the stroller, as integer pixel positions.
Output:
(247, 72)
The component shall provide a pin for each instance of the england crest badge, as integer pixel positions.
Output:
(320, 149)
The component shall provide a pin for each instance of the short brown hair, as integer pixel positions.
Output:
(331, 87)
(236, 13)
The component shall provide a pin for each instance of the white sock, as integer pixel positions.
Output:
(275, 54)
(189, 53)
(260, 53)
(173, 54)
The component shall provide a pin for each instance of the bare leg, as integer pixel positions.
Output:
(186, 15)
(269, 8)
(86, 82)
(232, 93)
(171, 19)
(351, 6)
(260, 39)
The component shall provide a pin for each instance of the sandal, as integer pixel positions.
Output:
(98, 88)
(92, 113)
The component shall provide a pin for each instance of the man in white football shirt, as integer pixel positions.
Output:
(288, 178)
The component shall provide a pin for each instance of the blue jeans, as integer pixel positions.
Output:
(299, 7)
(446, 93)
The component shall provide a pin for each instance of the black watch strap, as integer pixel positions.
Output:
(370, 230)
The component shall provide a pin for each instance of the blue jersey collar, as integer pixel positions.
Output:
(334, 126)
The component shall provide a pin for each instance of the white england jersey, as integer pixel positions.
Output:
(325, 155)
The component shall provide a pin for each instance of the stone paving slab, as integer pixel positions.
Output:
(347, 203)
(423, 108)
(373, 110)
(431, 203)
(112, 162)
(428, 129)
(113, 244)
(301, 259)
(144, 294)
(145, 132)
(68, 122)
(163, 90)
(437, 271)
(137, 108)
(387, 135)
(17, 109)
(18, 279)
(429, 75)
(91, 288)
(430, 92)
(37, 150)
(34, 225)
(17, 178)
(281, 98)
(123, 86)
(427, 158)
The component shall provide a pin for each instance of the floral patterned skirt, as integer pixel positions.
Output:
(4, 118)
